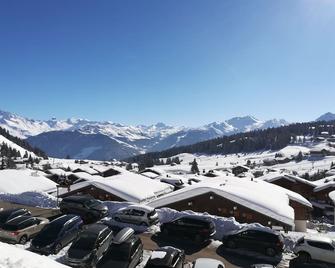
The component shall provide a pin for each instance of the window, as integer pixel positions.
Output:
(138, 213)
(321, 245)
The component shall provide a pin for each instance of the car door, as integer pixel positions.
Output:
(322, 251)
(136, 253)
(104, 241)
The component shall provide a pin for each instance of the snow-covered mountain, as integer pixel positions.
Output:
(102, 140)
(326, 117)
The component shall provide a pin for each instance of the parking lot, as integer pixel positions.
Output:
(214, 250)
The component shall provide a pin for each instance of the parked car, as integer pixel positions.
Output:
(255, 239)
(57, 234)
(137, 214)
(296, 263)
(8, 214)
(207, 263)
(126, 251)
(315, 248)
(90, 246)
(168, 257)
(85, 206)
(199, 229)
(21, 229)
(262, 265)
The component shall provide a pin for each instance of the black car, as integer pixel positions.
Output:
(57, 234)
(8, 214)
(126, 251)
(90, 246)
(168, 257)
(85, 206)
(199, 229)
(255, 239)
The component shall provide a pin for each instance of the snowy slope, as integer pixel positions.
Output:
(14, 146)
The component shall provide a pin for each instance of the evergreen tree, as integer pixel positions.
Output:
(129, 166)
(194, 167)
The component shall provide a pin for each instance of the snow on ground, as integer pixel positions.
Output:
(15, 257)
(34, 199)
(16, 181)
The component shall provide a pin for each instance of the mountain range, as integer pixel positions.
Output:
(85, 139)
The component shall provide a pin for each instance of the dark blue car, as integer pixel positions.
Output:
(57, 234)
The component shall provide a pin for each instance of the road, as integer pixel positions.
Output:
(231, 259)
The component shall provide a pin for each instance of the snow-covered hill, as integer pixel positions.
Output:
(123, 140)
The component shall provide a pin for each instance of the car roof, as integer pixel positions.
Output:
(64, 219)
(195, 217)
(19, 220)
(206, 262)
(77, 198)
(140, 207)
(258, 228)
(11, 210)
(317, 238)
(163, 255)
(96, 228)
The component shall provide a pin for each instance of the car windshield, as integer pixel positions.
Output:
(85, 242)
(52, 230)
(92, 203)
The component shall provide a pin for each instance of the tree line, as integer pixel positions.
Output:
(257, 140)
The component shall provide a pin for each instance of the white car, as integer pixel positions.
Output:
(317, 248)
(137, 214)
(207, 263)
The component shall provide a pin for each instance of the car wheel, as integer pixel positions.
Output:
(270, 252)
(304, 257)
(58, 248)
(23, 240)
(231, 244)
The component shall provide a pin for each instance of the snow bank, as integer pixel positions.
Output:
(34, 199)
(13, 257)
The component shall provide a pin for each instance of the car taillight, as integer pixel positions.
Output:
(14, 233)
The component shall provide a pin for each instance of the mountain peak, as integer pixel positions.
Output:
(326, 117)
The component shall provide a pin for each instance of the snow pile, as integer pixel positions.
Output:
(13, 257)
(34, 199)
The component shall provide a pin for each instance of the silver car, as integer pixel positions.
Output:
(137, 214)
(21, 229)
(207, 263)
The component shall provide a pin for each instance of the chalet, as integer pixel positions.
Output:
(248, 201)
(126, 186)
(108, 171)
(323, 188)
(290, 182)
(240, 169)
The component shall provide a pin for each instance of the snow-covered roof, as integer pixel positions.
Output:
(58, 172)
(127, 185)
(85, 176)
(252, 194)
(274, 176)
(16, 181)
(84, 168)
(324, 183)
(150, 174)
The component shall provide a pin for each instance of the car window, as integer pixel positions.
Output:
(175, 260)
(27, 223)
(103, 235)
(321, 245)
(71, 225)
(138, 213)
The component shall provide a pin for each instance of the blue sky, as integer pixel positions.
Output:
(183, 62)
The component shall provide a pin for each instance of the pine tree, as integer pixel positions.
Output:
(194, 167)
